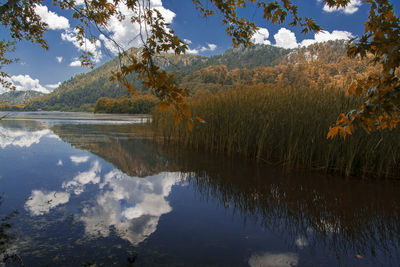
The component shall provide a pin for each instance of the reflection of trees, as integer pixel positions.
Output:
(7, 252)
(346, 217)
(117, 144)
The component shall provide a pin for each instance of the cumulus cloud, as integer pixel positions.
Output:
(126, 33)
(261, 37)
(187, 41)
(75, 63)
(54, 21)
(351, 8)
(325, 36)
(209, 47)
(192, 51)
(285, 38)
(59, 59)
(53, 86)
(205, 48)
(274, 259)
(85, 46)
(40, 202)
(25, 83)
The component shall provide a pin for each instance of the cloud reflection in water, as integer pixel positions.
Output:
(41, 202)
(132, 206)
(21, 138)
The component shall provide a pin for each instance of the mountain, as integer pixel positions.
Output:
(252, 65)
(18, 97)
(81, 92)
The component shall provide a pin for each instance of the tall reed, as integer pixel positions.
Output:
(285, 126)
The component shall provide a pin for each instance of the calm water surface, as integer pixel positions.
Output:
(82, 192)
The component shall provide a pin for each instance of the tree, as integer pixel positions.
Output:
(381, 40)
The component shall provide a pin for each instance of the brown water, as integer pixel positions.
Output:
(102, 193)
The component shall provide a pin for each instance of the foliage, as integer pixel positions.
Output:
(381, 39)
(381, 90)
(137, 104)
(285, 126)
(18, 97)
(7, 107)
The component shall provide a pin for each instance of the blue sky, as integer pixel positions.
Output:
(42, 70)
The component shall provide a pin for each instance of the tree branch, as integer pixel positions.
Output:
(7, 6)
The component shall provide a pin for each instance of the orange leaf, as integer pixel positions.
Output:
(163, 106)
(190, 125)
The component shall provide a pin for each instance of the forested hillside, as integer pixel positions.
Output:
(18, 97)
(320, 65)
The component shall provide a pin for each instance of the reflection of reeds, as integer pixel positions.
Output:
(344, 217)
(286, 126)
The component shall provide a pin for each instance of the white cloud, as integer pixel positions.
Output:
(261, 37)
(41, 203)
(25, 83)
(126, 33)
(209, 47)
(351, 8)
(59, 59)
(86, 46)
(187, 41)
(192, 51)
(75, 63)
(53, 86)
(78, 159)
(325, 36)
(274, 259)
(285, 38)
(54, 21)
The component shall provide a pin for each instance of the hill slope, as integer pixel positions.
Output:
(260, 63)
(18, 97)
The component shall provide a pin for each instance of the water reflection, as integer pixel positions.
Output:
(270, 259)
(348, 218)
(350, 222)
(78, 183)
(117, 144)
(41, 202)
(22, 135)
(132, 206)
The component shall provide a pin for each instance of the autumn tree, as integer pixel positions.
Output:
(381, 40)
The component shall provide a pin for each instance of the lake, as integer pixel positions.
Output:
(83, 190)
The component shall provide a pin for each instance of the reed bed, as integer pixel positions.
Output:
(286, 126)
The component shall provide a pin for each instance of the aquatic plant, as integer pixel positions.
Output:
(286, 126)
